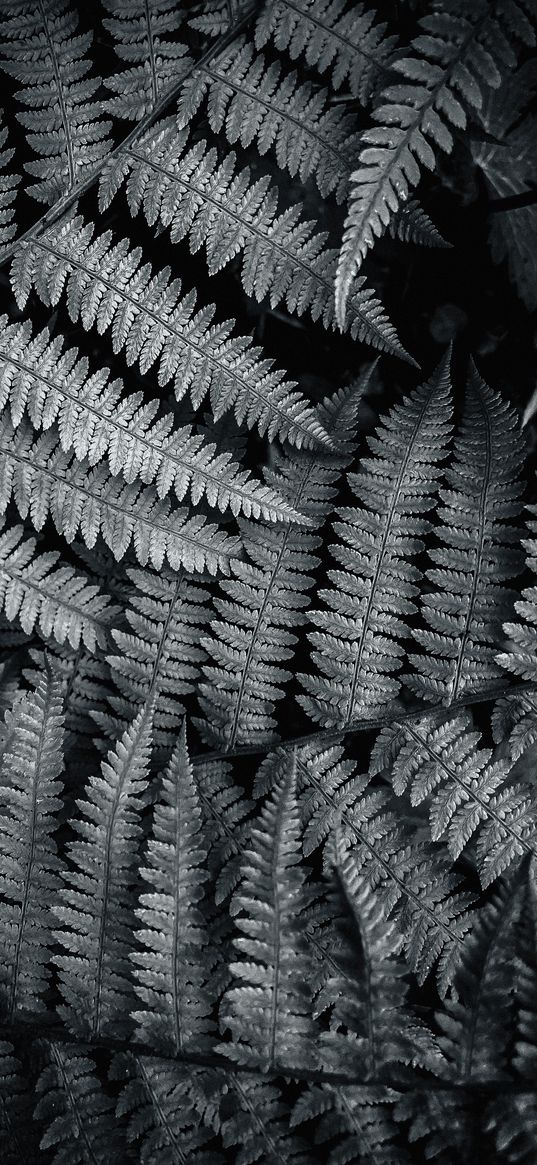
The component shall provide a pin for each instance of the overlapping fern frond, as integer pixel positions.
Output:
(461, 51)
(479, 552)
(108, 286)
(219, 207)
(254, 638)
(43, 50)
(8, 189)
(356, 647)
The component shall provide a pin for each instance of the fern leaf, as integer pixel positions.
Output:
(108, 287)
(469, 789)
(361, 1118)
(519, 656)
(478, 554)
(356, 646)
(31, 766)
(258, 1128)
(459, 53)
(157, 1099)
(8, 190)
(514, 720)
(96, 909)
(42, 49)
(507, 160)
(252, 100)
(411, 224)
(213, 204)
(19, 1137)
(333, 38)
(268, 1011)
(159, 655)
(57, 599)
(264, 601)
(84, 685)
(46, 481)
(80, 1116)
(225, 810)
(143, 33)
(95, 421)
(173, 966)
(410, 880)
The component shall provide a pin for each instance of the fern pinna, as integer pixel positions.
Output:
(268, 609)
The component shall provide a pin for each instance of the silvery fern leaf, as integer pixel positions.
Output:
(158, 654)
(356, 644)
(95, 907)
(29, 866)
(259, 1124)
(263, 603)
(217, 206)
(143, 34)
(267, 1009)
(478, 553)
(520, 653)
(469, 789)
(42, 49)
(413, 883)
(57, 600)
(344, 42)
(506, 157)
(461, 51)
(107, 286)
(38, 378)
(19, 1134)
(253, 100)
(46, 481)
(8, 190)
(81, 1129)
(157, 1098)
(174, 963)
(84, 685)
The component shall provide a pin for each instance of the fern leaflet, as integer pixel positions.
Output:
(143, 34)
(79, 1115)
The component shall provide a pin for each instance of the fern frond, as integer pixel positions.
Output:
(29, 794)
(84, 685)
(173, 967)
(507, 160)
(157, 1099)
(520, 654)
(469, 789)
(214, 205)
(460, 51)
(159, 655)
(361, 1118)
(42, 49)
(226, 812)
(72, 1102)
(477, 1022)
(43, 480)
(19, 1136)
(356, 646)
(59, 600)
(268, 1010)
(410, 880)
(96, 908)
(252, 100)
(479, 553)
(342, 41)
(258, 1128)
(108, 287)
(8, 190)
(95, 421)
(264, 601)
(514, 720)
(143, 33)
(411, 224)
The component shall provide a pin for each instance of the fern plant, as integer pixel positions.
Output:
(268, 692)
